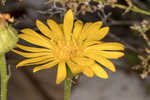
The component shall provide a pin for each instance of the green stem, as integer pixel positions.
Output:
(135, 9)
(4, 77)
(68, 83)
(67, 89)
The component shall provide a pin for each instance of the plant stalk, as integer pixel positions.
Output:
(4, 77)
(68, 83)
(134, 9)
(67, 89)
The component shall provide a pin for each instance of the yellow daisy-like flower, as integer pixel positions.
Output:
(73, 45)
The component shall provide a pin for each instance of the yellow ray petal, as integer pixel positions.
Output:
(61, 72)
(36, 41)
(82, 35)
(106, 54)
(33, 34)
(68, 24)
(30, 32)
(77, 29)
(95, 26)
(102, 60)
(32, 55)
(86, 27)
(75, 68)
(101, 33)
(111, 55)
(58, 34)
(34, 61)
(46, 66)
(83, 61)
(88, 72)
(105, 46)
(32, 49)
(44, 29)
(99, 71)
(98, 34)
(91, 43)
(37, 63)
(92, 30)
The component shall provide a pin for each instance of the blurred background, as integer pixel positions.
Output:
(128, 25)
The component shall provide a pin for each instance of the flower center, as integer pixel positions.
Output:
(66, 51)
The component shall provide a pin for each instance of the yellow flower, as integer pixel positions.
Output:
(70, 45)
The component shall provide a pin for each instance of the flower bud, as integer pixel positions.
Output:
(8, 38)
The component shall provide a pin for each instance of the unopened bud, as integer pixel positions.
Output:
(8, 38)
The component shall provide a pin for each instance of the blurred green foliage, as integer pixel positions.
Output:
(132, 58)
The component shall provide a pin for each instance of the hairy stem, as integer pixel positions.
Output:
(4, 77)
(68, 83)
(67, 89)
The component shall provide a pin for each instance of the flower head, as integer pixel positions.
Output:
(76, 46)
